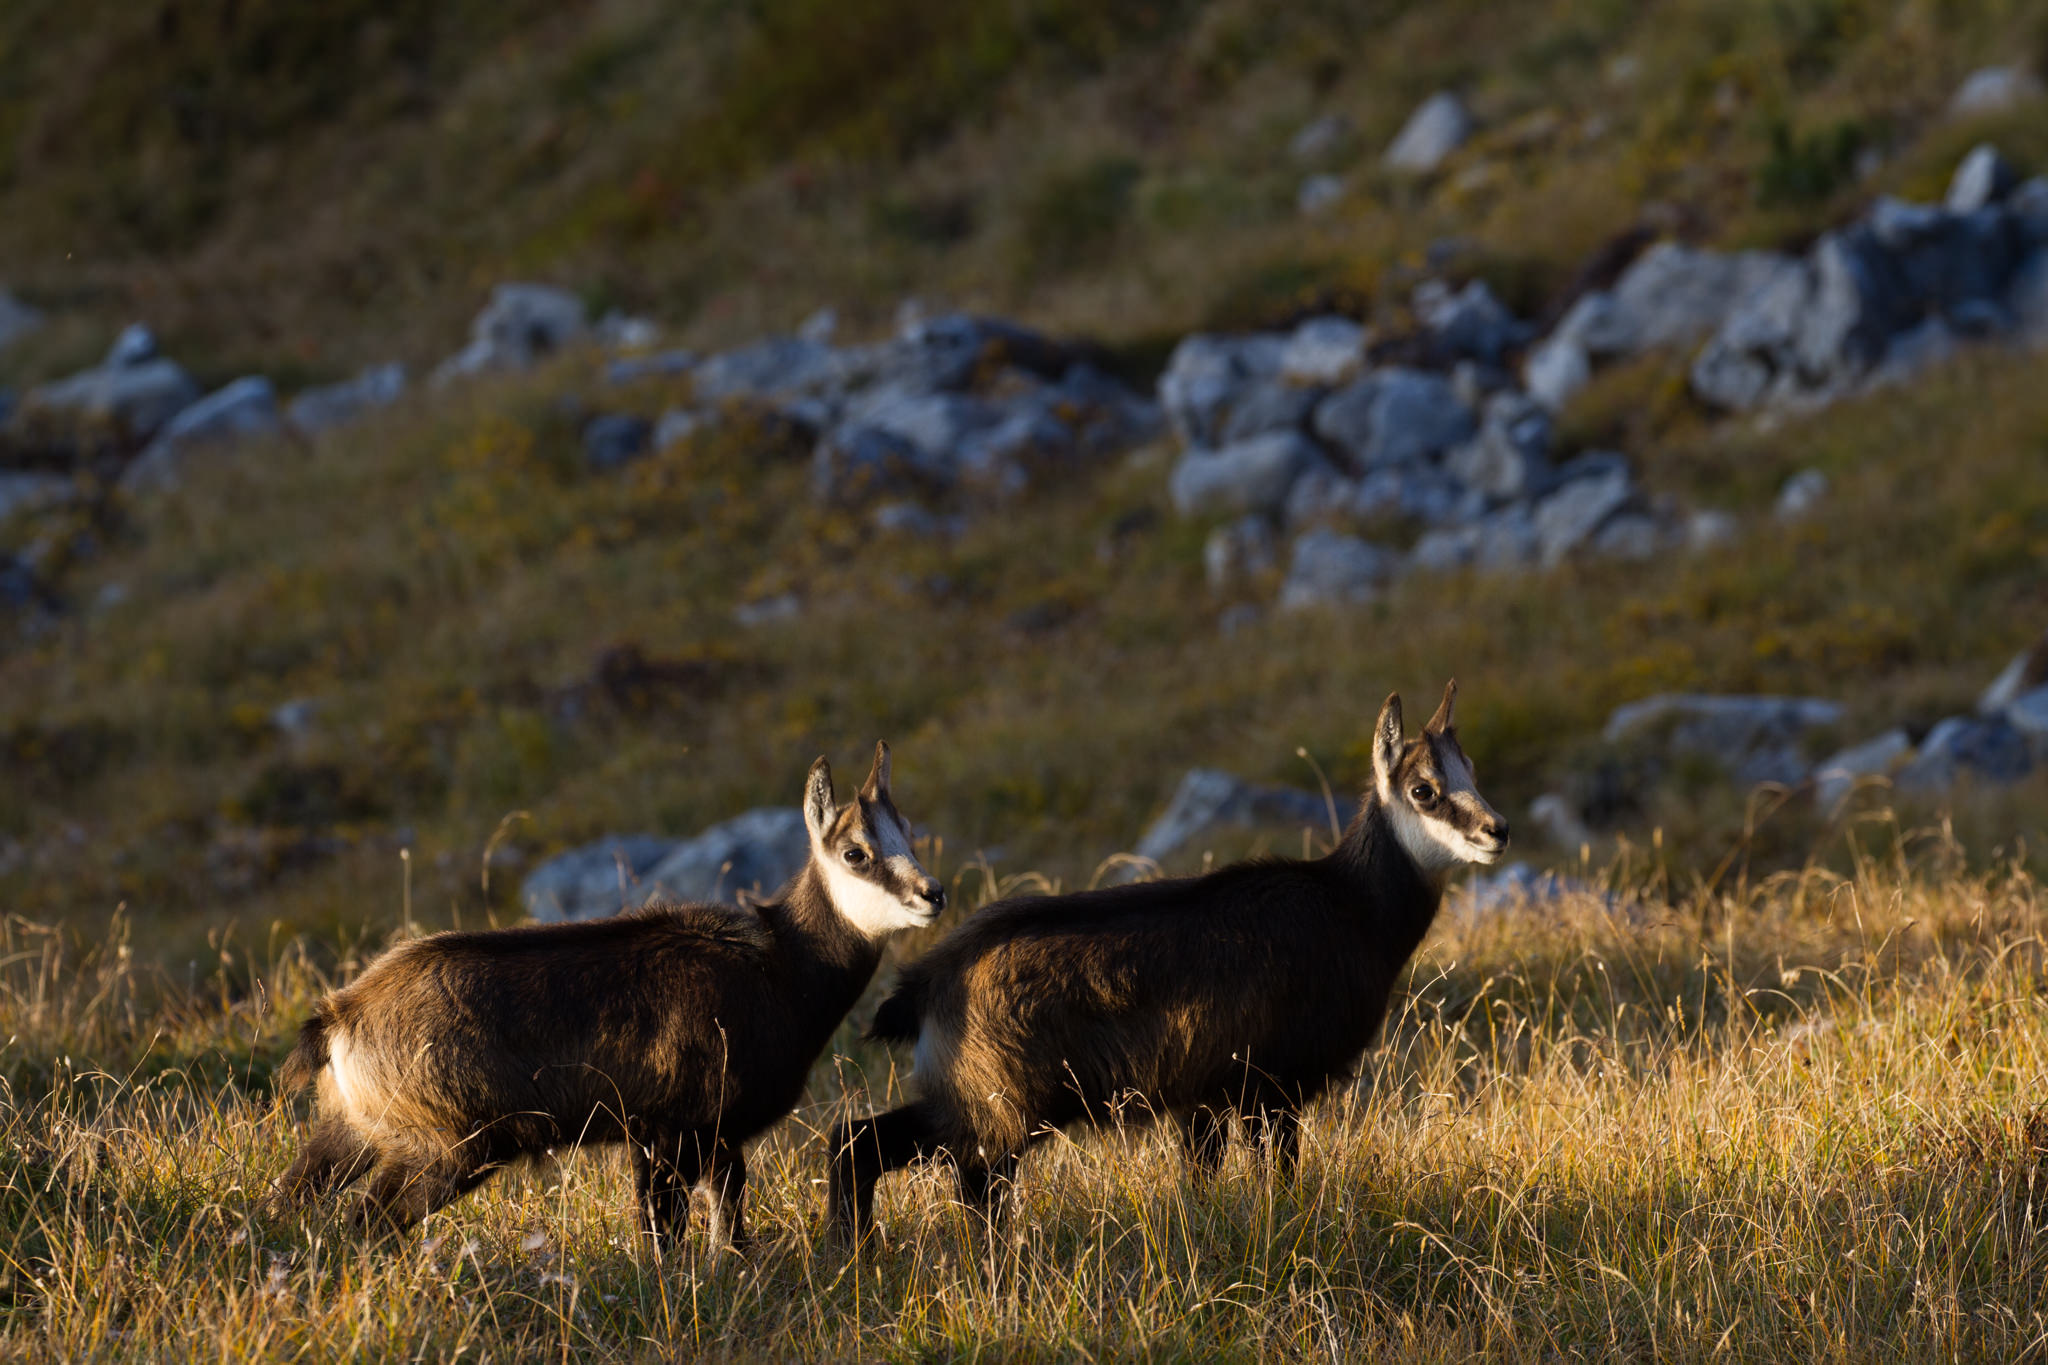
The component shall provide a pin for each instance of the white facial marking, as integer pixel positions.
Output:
(865, 904)
(1434, 843)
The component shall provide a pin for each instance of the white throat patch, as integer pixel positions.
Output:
(1436, 845)
(866, 905)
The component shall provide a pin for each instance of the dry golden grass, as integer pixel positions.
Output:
(1796, 1121)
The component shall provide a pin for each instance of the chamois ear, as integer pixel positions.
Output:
(1386, 743)
(1441, 722)
(877, 784)
(818, 807)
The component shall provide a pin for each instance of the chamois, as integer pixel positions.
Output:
(1244, 992)
(682, 1030)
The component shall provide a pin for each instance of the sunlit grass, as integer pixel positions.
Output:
(1798, 1121)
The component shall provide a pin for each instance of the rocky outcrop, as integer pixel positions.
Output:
(133, 392)
(1439, 126)
(328, 406)
(522, 324)
(1209, 799)
(753, 853)
(1757, 738)
(244, 409)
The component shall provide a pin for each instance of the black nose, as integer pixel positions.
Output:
(1499, 830)
(935, 894)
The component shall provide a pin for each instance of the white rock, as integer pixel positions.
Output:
(1559, 822)
(1319, 137)
(1983, 177)
(1254, 475)
(1438, 127)
(1325, 350)
(1802, 493)
(1318, 193)
(245, 408)
(1992, 89)
(1836, 776)
(1333, 569)
(522, 324)
(333, 405)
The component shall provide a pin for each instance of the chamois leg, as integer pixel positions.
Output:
(402, 1192)
(1203, 1138)
(987, 1186)
(726, 1179)
(865, 1150)
(664, 1169)
(332, 1157)
(1279, 1128)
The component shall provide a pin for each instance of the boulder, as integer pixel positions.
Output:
(935, 423)
(1332, 569)
(1205, 377)
(1709, 528)
(2028, 714)
(631, 369)
(1237, 551)
(1515, 886)
(1470, 323)
(595, 880)
(755, 853)
(1981, 179)
(1317, 194)
(1591, 489)
(1671, 295)
(1990, 749)
(854, 464)
(1802, 493)
(133, 390)
(1559, 821)
(675, 426)
(521, 325)
(1323, 495)
(2027, 671)
(1835, 776)
(1265, 405)
(1324, 351)
(245, 408)
(1993, 89)
(1254, 475)
(1557, 368)
(28, 493)
(614, 439)
(1393, 416)
(17, 319)
(1318, 138)
(776, 367)
(1756, 737)
(617, 331)
(1913, 352)
(1208, 799)
(1509, 456)
(1439, 126)
(333, 405)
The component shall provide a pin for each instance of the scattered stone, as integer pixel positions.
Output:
(778, 366)
(17, 319)
(1439, 126)
(333, 405)
(1393, 416)
(1993, 89)
(243, 409)
(1802, 493)
(1318, 138)
(820, 325)
(133, 390)
(522, 325)
(1711, 529)
(766, 611)
(1249, 476)
(751, 854)
(1559, 821)
(28, 493)
(1509, 456)
(1836, 776)
(595, 880)
(1515, 886)
(1318, 194)
(1982, 178)
(1239, 551)
(632, 369)
(618, 331)
(1470, 323)
(2027, 671)
(295, 718)
(2028, 714)
(614, 439)
(676, 426)
(1204, 377)
(1330, 569)
(1756, 737)
(1323, 350)
(1593, 488)
(1208, 799)
(1991, 749)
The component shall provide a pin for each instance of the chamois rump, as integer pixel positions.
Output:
(1245, 992)
(682, 1030)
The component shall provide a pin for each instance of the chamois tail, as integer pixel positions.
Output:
(308, 1057)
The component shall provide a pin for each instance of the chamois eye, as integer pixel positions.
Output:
(855, 856)
(1423, 793)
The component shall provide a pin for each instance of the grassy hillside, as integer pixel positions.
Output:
(1802, 1121)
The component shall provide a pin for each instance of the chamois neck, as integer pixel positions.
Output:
(818, 947)
(1401, 894)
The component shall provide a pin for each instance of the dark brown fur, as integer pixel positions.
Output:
(683, 1030)
(1245, 992)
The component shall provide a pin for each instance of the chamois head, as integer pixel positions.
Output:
(1427, 789)
(862, 851)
